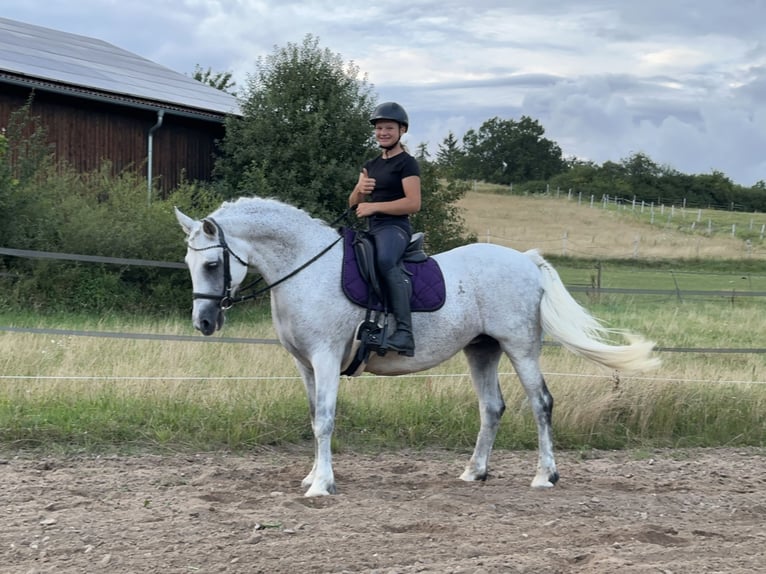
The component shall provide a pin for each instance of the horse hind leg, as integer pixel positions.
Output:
(541, 401)
(483, 359)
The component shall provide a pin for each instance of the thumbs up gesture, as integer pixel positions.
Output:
(366, 183)
(360, 198)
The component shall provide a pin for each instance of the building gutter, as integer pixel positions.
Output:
(150, 155)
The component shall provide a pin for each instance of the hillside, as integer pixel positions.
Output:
(558, 226)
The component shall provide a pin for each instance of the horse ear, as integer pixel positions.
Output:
(208, 227)
(186, 222)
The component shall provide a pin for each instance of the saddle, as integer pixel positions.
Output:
(361, 286)
(360, 282)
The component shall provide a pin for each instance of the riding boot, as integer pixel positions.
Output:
(399, 291)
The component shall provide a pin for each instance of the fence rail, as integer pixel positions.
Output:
(672, 292)
(597, 289)
(198, 339)
(89, 258)
(249, 341)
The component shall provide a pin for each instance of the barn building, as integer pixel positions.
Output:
(99, 102)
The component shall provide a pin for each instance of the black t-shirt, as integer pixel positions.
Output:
(388, 174)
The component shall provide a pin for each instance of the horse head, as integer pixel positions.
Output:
(216, 271)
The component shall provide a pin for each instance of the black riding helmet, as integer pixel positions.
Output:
(391, 111)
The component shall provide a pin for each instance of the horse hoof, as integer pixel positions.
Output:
(316, 491)
(313, 494)
(543, 483)
(469, 476)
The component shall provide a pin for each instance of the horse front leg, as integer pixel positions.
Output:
(309, 384)
(321, 479)
(483, 359)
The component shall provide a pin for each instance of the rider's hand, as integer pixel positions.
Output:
(364, 187)
(365, 184)
(366, 208)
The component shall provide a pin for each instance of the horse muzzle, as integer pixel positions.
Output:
(208, 319)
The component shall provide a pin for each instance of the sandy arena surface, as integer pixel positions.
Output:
(674, 511)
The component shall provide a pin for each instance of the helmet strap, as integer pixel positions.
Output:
(392, 146)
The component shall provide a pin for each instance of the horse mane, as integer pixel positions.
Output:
(254, 208)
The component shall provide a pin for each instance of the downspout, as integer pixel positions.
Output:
(154, 128)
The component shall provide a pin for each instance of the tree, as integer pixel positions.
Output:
(440, 217)
(641, 174)
(507, 151)
(304, 132)
(754, 198)
(449, 156)
(718, 191)
(220, 80)
(582, 177)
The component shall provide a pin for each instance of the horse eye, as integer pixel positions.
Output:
(211, 265)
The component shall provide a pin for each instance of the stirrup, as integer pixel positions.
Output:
(404, 352)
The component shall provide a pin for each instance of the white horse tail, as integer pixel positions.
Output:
(576, 329)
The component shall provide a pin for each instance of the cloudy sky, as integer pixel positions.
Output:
(683, 81)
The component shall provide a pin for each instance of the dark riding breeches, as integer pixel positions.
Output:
(390, 243)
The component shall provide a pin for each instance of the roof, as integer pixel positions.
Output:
(78, 65)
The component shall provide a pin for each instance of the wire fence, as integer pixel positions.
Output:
(258, 341)
(568, 245)
(261, 341)
(683, 205)
(295, 378)
(250, 341)
(704, 220)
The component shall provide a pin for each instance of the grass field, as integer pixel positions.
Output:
(69, 393)
(558, 226)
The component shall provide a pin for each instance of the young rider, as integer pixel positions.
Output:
(387, 193)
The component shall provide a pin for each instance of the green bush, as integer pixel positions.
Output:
(53, 208)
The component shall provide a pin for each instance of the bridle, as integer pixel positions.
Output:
(226, 300)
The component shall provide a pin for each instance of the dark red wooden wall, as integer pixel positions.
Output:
(84, 132)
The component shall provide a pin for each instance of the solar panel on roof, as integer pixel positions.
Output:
(47, 54)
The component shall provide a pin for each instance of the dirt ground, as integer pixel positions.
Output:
(679, 511)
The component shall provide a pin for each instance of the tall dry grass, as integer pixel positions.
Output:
(564, 227)
(84, 393)
(87, 393)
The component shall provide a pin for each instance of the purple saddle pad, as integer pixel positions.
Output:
(428, 291)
